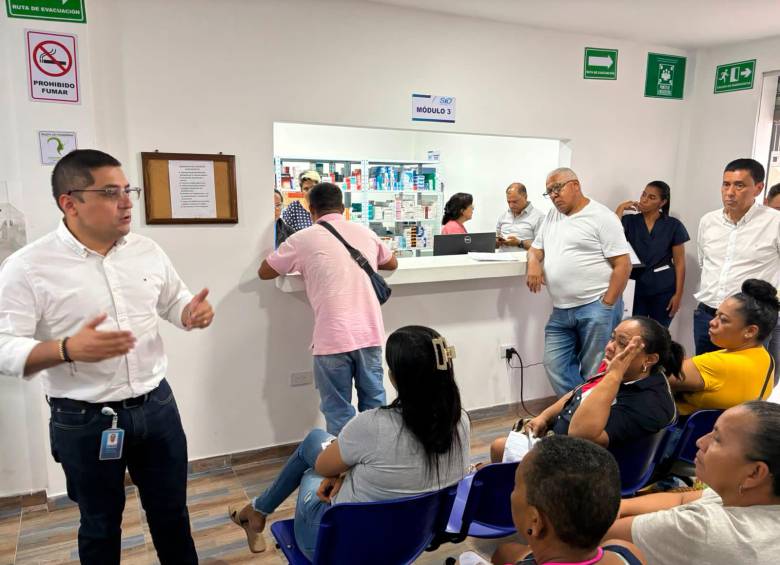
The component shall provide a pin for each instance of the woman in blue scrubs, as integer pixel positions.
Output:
(658, 240)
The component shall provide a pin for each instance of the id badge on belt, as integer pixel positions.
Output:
(113, 439)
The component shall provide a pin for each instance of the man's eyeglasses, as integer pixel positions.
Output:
(555, 189)
(112, 192)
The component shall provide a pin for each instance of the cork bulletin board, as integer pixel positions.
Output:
(189, 188)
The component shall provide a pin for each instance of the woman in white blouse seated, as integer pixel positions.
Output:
(736, 519)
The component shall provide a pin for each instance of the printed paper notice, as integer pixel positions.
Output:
(192, 189)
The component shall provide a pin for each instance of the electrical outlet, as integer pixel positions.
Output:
(502, 349)
(301, 379)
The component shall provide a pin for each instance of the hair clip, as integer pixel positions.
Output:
(444, 353)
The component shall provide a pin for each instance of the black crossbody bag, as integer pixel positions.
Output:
(768, 374)
(381, 288)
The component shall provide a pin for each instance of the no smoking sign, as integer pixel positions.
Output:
(52, 67)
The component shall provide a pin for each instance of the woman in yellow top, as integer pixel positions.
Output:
(737, 372)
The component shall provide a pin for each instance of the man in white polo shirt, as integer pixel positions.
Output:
(737, 242)
(582, 255)
(517, 227)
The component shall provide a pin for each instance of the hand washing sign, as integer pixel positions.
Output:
(427, 108)
(52, 68)
(665, 76)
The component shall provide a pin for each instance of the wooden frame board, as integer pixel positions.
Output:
(157, 189)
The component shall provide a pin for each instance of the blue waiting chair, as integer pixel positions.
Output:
(637, 459)
(390, 532)
(482, 508)
(698, 424)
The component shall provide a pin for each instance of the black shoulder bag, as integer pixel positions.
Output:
(381, 288)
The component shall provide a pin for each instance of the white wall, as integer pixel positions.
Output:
(14, 438)
(335, 142)
(25, 463)
(207, 76)
(485, 165)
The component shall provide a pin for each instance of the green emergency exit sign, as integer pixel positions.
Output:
(735, 76)
(57, 10)
(600, 64)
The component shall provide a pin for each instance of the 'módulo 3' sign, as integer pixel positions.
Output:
(427, 108)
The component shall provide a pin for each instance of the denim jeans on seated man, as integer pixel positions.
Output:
(299, 473)
(333, 375)
(574, 342)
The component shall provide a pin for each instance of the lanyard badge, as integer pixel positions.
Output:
(112, 440)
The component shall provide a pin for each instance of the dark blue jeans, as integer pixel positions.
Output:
(155, 454)
(701, 327)
(774, 349)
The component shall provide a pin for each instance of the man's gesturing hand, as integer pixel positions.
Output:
(91, 345)
(198, 313)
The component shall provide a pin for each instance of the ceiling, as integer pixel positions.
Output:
(677, 23)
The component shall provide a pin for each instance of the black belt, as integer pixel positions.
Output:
(708, 309)
(115, 404)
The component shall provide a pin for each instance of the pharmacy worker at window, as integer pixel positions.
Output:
(659, 242)
(516, 228)
(457, 211)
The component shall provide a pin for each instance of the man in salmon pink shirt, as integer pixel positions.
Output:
(348, 327)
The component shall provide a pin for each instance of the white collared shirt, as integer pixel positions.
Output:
(524, 225)
(50, 288)
(730, 253)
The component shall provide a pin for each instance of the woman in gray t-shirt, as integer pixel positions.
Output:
(418, 443)
(735, 519)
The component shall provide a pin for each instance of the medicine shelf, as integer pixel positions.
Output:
(399, 174)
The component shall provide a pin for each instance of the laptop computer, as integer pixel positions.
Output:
(462, 243)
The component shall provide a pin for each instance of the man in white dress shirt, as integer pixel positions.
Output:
(80, 308)
(737, 242)
(517, 227)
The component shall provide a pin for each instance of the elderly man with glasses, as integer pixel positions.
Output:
(581, 254)
(80, 309)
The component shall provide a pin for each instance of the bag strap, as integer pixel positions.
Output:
(768, 374)
(356, 255)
